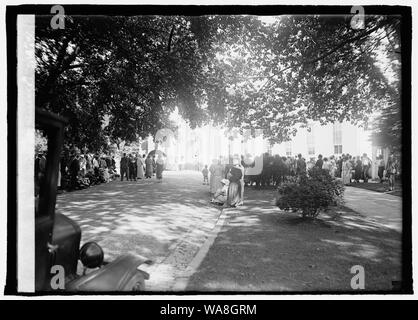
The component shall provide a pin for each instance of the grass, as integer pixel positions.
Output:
(263, 249)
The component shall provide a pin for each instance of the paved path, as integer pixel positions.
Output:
(381, 207)
(167, 222)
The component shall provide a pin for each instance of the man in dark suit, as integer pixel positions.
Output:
(319, 162)
(124, 163)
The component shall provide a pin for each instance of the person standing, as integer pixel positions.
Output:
(148, 167)
(358, 170)
(205, 173)
(216, 175)
(391, 171)
(140, 163)
(319, 162)
(346, 171)
(159, 168)
(340, 166)
(326, 165)
(132, 167)
(124, 167)
(236, 184)
(300, 166)
(381, 167)
(366, 163)
(74, 170)
(333, 165)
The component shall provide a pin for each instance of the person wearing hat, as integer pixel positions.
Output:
(221, 194)
(236, 184)
(74, 169)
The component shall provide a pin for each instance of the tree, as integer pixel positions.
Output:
(230, 70)
(130, 71)
(314, 68)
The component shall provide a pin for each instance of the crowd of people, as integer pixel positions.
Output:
(277, 169)
(79, 170)
(227, 185)
(136, 167)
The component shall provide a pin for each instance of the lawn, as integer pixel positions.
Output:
(263, 249)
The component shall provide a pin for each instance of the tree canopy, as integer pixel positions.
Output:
(119, 78)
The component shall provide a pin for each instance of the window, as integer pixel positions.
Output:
(311, 150)
(310, 140)
(337, 134)
(288, 148)
(338, 149)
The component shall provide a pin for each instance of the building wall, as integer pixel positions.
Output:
(200, 146)
(354, 140)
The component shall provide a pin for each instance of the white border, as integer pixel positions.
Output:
(25, 149)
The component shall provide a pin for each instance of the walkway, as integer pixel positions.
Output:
(167, 222)
(381, 207)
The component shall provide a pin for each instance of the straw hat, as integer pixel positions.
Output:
(225, 181)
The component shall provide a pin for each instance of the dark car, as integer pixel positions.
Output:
(57, 237)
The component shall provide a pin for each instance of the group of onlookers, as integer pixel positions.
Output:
(78, 170)
(355, 169)
(136, 167)
(277, 169)
(81, 170)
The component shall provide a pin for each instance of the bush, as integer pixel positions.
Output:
(311, 193)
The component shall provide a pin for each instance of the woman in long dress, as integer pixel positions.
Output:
(358, 170)
(346, 171)
(235, 190)
(148, 167)
(159, 168)
(216, 175)
(140, 163)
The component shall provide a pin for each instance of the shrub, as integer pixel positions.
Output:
(311, 193)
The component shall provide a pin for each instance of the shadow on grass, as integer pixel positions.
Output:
(264, 249)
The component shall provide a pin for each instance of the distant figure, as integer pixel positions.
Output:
(159, 168)
(124, 163)
(216, 175)
(358, 170)
(346, 171)
(236, 184)
(132, 167)
(366, 162)
(205, 173)
(319, 162)
(74, 170)
(381, 167)
(333, 164)
(391, 171)
(326, 165)
(300, 165)
(140, 164)
(148, 167)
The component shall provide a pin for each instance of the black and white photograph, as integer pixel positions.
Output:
(210, 149)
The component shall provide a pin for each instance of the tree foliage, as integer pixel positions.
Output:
(118, 78)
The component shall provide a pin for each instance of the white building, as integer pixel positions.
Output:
(332, 139)
(194, 148)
